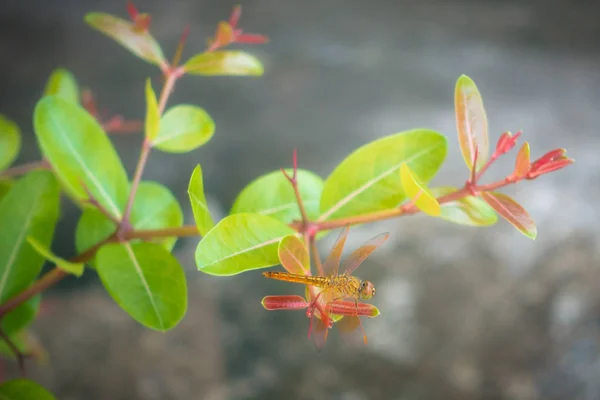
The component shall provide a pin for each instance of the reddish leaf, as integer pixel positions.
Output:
(471, 122)
(293, 255)
(511, 211)
(136, 40)
(522, 163)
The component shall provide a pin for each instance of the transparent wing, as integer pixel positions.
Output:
(332, 264)
(359, 255)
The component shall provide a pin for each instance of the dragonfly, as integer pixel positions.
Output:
(332, 287)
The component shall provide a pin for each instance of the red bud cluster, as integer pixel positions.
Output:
(228, 33)
(506, 143)
(549, 162)
(142, 21)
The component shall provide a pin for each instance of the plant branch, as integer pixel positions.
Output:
(294, 182)
(49, 279)
(167, 89)
(24, 168)
(147, 234)
(18, 353)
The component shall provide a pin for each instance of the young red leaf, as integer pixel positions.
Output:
(522, 163)
(506, 142)
(471, 122)
(511, 211)
(293, 255)
(136, 40)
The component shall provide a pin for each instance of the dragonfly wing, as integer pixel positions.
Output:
(351, 330)
(332, 264)
(359, 255)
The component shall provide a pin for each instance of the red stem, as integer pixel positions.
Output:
(24, 168)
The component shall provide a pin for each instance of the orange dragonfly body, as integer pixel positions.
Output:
(331, 287)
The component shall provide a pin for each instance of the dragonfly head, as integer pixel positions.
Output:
(367, 290)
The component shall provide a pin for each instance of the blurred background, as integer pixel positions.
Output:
(466, 313)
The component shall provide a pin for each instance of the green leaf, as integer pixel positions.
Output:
(72, 268)
(293, 255)
(80, 153)
(224, 63)
(202, 216)
(511, 211)
(137, 41)
(152, 112)
(418, 192)
(184, 128)
(92, 228)
(471, 122)
(10, 142)
(273, 195)
(146, 281)
(5, 186)
(31, 208)
(23, 389)
(21, 316)
(62, 83)
(241, 242)
(154, 207)
(469, 210)
(367, 180)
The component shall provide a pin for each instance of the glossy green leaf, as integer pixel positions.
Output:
(21, 316)
(293, 255)
(202, 216)
(184, 128)
(70, 267)
(469, 210)
(471, 122)
(23, 389)
(31, 208)
(154, 207)
(273, 195)
(92, 228)
(10, 142)
(511, 211)
(152, 113)
(146, 281)
(367, 180)
(81, 153)
(241, 242)
(137, 41)
(418, 193)
(5, 186)
(62, 83)
(523, 161)
(224, 63)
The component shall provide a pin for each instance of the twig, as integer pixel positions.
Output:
(294, 182)
(94, 202)
(18, 354)
(145, 152)
(50, 278)
(24, 168)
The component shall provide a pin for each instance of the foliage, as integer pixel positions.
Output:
(128, 226)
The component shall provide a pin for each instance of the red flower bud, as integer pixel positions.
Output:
(551, 166)
(506, 143)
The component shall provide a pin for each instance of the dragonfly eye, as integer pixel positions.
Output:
(367, 290)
